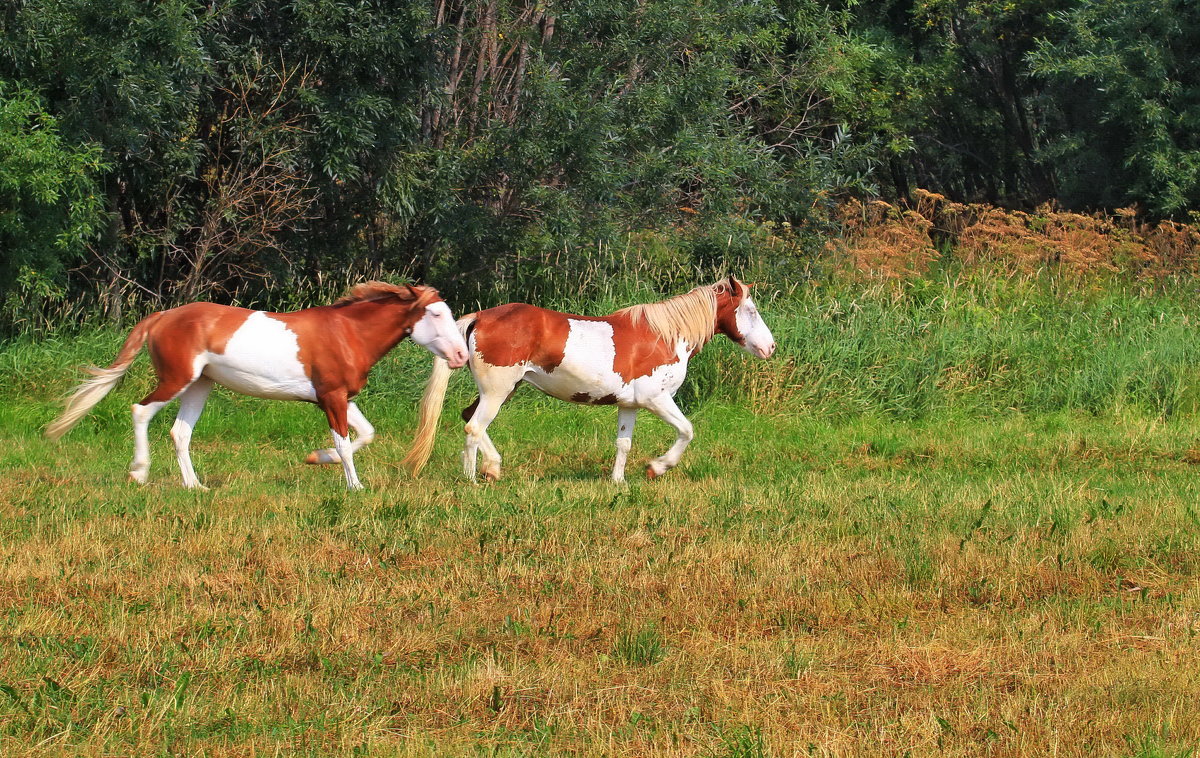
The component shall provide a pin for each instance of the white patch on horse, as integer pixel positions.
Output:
(587, 365)
(589, 368)
(262, 359)
(664, 379)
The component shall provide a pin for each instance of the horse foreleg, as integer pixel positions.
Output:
(191, 405)
(664, 407)
(364, 434)
(625, 420)
(336, 410)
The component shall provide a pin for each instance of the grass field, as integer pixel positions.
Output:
(945, 523)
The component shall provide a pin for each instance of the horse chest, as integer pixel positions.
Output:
(262, 358)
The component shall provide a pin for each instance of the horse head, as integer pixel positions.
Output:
(739, 320)
(435, 329)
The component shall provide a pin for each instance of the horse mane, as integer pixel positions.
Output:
(690, 317)
(367, 292)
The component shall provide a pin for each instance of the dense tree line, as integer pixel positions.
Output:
(180, 149)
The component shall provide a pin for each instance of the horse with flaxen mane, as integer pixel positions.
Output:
(318, 355)
(634, 358)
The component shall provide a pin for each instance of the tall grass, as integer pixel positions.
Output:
(947, 344)
(969, 345)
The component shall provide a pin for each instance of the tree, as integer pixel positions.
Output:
(49, 197)
(1126, 81)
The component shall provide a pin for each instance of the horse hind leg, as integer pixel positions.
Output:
(491, 459)
(363, 431)
(142, 412)
(191, 405)
(626, 417)
(495, 386)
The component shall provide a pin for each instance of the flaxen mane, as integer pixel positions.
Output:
(370, 291)
(690, 317)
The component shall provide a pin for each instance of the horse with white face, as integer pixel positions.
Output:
(634, 358)
(318, 355)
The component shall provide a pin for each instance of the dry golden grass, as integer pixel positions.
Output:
(865, 602)
(901, 241)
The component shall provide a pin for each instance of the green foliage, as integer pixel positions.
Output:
(501, 148)
(1125, 76)
(49, 201)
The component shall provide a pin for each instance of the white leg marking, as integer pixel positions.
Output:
(664, 407)
(191, 405)
(491, 458)
(485, 413)
(140, 468)
(345, 452)
(495, 384)
(362, 428)
(625, 420)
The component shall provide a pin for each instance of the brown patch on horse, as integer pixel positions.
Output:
(638, 350)
(339, 343)
(730, 295)
(518, 333)
(583, 397)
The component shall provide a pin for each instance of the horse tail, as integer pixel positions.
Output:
(431, 407)
(93, 390)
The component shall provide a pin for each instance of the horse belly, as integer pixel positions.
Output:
(262, 359)
(581, 386)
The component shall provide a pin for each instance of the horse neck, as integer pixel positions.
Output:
(379, 325)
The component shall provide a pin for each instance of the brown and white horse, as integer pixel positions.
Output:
(634, 358)
(319, 355)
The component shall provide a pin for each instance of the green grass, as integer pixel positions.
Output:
(853, 558)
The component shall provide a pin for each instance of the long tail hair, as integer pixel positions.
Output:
(430, 409)
(93, 390)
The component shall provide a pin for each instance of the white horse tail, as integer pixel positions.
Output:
(93, 390)
(431, 407)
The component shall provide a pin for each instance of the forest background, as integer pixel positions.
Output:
(262, 152)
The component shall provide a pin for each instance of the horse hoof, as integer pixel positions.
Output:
(490, 478)
(321, 458)
(651, 473)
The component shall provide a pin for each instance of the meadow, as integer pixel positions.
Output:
(954, 516)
